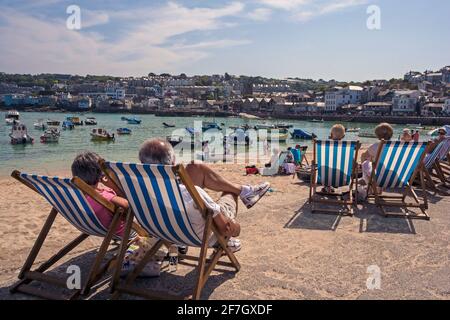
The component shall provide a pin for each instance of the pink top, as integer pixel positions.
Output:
(103, 214)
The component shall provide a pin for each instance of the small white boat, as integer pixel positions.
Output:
(19, 134)
(90, 121)
(51, 135)
(100, 134)
(12, 117)
(353, 130)
(40, 125)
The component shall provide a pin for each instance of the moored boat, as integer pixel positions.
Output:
(123, 131)
(53, 123)
(40, 124)
(302, 134)
(50, 135)
(366, 135)
(100, 134)
(90, 121)
(349, 130)
(134, 121)
(167, 125)
(68, 125)
(19, 134)
(12, 117)
(75, 120)
(317, 120)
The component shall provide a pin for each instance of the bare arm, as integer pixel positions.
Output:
(226, 226)
(120, 202)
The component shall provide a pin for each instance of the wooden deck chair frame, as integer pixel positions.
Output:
(205, 265)
(399, 201)
(97, 270)
(317, 197)
(438, 173)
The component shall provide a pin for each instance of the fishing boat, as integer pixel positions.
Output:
(53, 123)
(12, 117)
(366, 135)
(302, 134)
(134, 121)
(281, 137)
(90, 121)
(264, 127)
(123, 131)
(349, 130)
(210, 125)
(68, 125)
(75, 120)
(99, 134)
(40, 124)
(283, 126)
(248, 116)
(19, 134)
(50, 135)
(167, 125)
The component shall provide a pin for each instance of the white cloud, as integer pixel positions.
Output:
(152, 42)
(304, 10)
(260, 14)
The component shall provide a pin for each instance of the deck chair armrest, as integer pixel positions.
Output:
(91, 192)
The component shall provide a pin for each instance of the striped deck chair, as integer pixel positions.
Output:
(433, 162)
(334, 165)
(156, 201)
(67, 197)
(396, 167)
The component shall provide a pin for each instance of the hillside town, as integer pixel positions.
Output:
(418, 94)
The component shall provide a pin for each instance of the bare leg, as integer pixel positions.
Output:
(204, 177)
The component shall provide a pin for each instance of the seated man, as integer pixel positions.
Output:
(157, 151)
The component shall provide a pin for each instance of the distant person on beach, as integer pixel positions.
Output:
(406, 136)
(159, 151)
(337, 132)
(383, 131)
(416, 136)
(86, 167)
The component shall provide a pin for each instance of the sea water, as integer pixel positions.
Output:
(51, 158)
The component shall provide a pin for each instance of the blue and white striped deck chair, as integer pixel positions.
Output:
(334, 166)
(396, 167)
(67, 197)
(433, 160)
(155, 198)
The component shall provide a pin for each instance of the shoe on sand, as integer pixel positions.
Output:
(252, 194)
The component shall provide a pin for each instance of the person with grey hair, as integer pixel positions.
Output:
(159, 151)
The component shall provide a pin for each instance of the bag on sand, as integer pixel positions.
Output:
(134, 254)
(251, 170)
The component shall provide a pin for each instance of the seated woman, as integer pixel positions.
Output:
(86, 167)
(383, 131)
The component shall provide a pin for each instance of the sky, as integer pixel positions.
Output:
(317, 39)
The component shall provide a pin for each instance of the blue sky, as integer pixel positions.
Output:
(315, 39)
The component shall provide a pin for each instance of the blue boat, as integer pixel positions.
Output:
(123, 131)
(301, 134)
(133, 121)
(67, 125)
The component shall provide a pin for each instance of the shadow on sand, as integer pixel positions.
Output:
(167, 282)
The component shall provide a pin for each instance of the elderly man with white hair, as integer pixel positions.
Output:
(158, 151)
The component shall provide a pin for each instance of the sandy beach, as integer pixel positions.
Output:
(287, 253)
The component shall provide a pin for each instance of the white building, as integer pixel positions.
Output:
(342, 96)
(115, 93)
(405, 102)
